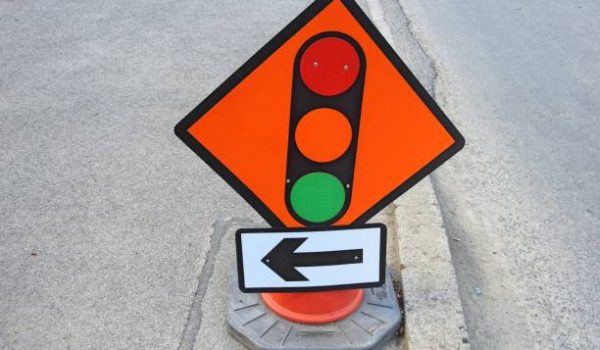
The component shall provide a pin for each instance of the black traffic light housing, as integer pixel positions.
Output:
(305, 100)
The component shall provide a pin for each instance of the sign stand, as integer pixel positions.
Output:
(326, 262)
(318, 131)
(370, 327)
(289, 260)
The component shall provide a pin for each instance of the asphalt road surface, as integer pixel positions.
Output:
(521, 79)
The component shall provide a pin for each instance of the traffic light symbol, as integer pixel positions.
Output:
(327, 91)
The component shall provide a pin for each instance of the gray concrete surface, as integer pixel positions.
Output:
(434, 313)
(522, 200)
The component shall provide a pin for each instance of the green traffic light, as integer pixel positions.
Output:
(317, 197)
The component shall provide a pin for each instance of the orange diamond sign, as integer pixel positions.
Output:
(325, 125)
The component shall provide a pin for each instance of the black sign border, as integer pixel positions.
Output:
(181, 129)
(240, 262)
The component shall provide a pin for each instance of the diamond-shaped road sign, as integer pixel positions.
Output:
(248, 129)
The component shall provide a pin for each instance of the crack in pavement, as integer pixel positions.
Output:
(194, 319)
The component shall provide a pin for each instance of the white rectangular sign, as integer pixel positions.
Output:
(275, 260)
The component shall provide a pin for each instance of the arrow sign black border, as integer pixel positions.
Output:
(294, 288)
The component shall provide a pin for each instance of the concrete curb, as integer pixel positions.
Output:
(433, 309)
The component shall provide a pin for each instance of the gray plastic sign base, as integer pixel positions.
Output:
(371, 326)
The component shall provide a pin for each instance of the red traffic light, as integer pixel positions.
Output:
(329, 66)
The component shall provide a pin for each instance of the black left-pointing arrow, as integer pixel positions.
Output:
(283, 259)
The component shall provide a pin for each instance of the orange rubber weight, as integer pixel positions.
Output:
(314, 307)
